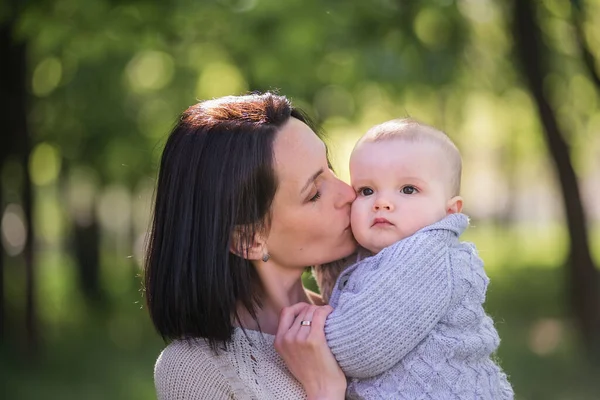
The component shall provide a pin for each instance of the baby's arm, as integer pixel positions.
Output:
(393, 307)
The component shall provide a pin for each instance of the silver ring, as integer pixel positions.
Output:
(305, 323)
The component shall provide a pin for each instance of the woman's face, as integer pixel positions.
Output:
(310, 217)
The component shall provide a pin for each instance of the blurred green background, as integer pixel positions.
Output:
(90, 89)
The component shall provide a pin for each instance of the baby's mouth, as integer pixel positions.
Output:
(381, 222)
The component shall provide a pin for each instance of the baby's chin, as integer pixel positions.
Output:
(375, 245)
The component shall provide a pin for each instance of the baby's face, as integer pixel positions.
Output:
(401, 187)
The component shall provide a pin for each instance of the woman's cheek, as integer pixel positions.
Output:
(356, 216)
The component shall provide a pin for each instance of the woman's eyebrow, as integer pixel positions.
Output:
(311, 180)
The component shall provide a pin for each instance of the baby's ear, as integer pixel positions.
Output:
(247, 243)
(454, 205)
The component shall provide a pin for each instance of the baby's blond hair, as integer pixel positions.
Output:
(413, 131)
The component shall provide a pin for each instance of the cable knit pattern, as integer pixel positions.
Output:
(409, 323)
(250, 369)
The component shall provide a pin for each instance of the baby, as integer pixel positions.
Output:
(408, 320)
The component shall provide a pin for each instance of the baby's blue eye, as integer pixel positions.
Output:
(409, 190)
(366, 191)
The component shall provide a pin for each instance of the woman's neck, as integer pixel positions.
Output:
(280, 288)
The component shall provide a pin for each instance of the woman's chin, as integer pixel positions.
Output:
(350, 247)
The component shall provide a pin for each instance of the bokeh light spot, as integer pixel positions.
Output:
(239, 5)
(14, 232)
(559, 8)
(545, 336)
(44, 164)
(432, 28)
(150, 70)
(46, 76)
(220, 79)
(114, 208)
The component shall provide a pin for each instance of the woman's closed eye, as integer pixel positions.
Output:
(316, 197)
(409, 189)
(365, 191)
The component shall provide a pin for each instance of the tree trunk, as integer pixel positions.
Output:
(86, 240)
(582, 276)
(2, 255)
(587, 56)
(16, 140)
(6, 138)
(30, 309)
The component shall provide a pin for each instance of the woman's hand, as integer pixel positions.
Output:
(305, 352)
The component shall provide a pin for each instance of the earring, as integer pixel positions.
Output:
(266, 257)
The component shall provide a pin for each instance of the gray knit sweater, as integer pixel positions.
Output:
(408, 322)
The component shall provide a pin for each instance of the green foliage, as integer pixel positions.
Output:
(107, 80)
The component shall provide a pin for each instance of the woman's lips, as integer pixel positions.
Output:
(381, 222)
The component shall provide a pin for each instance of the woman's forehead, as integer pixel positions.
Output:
(298, 153)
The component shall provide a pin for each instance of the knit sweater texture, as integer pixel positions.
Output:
(409, 323)
(249, 369)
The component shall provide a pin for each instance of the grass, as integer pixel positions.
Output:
(540, 350)
(110, 354)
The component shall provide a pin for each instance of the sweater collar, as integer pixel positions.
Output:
(455, 223)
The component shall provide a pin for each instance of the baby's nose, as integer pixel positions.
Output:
(383, 204)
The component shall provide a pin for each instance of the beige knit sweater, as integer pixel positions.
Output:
(249, 369)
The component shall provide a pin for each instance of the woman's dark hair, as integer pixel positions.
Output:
(216, 177)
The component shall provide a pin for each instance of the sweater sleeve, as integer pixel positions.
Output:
(184, 371)
(390, 304)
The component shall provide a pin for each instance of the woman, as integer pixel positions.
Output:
(245, 201)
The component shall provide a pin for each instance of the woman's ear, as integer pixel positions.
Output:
(248, 244)
(454, 205)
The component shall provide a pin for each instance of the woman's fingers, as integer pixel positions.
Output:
(306, 316)
(288, 316)
(319, 317)
(305, 352)
(299, 322)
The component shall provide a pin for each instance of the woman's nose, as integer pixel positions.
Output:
(346, 194)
